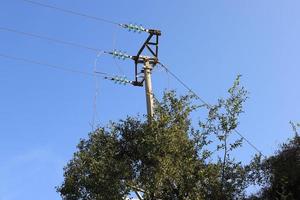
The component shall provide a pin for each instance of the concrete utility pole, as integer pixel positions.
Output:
(148, 88)
(142, 75)
(147, 56)
(148, 63)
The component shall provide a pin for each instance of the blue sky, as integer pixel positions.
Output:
(44, 112)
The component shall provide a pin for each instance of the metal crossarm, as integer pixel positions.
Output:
(152, 47)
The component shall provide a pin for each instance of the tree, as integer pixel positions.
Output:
(167, 159)
(221, 122)
(279, 174)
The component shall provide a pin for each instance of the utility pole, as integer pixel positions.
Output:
(141, 74)
(147, 56)
(148, 61)
(148, 88)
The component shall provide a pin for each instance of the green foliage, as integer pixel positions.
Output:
(222, 120)
(96, 171)
(166, 159)
(279, 175)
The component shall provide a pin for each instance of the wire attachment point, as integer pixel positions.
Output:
(119, 79)
(120, 55)
(134, 27)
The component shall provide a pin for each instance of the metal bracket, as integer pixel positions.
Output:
(152, 47)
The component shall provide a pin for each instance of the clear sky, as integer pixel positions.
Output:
(44, 112)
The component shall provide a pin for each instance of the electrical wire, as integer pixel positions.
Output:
(114, 44)
(168, 79)
(71, 12)
(184, 85)
(95, 113)
(207, 104)
(50, 39)
(101, 74)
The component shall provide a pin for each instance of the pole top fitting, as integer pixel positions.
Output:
(151, 60)
(154, 32)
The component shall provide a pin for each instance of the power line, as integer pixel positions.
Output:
(250, 143)
(185, 85)
(102, 74)
(50, 39)
(207, 104)
(114, 42)
(71, 12)
(129, 27)
(95, 113)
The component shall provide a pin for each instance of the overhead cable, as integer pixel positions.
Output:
(70, 12)
(130, 27)
(206, 104)
(50, 39)
(102, 74)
